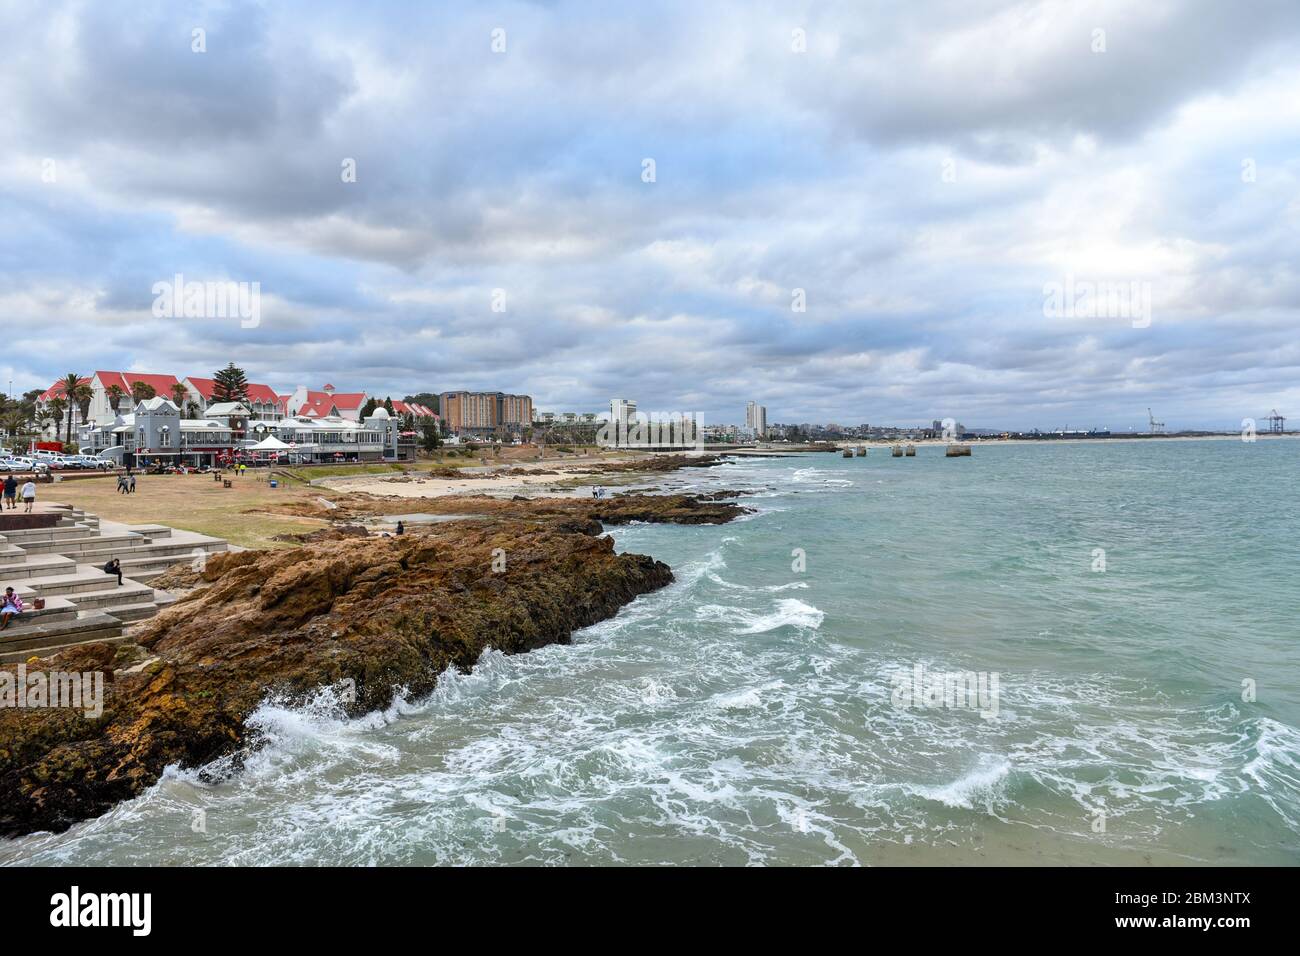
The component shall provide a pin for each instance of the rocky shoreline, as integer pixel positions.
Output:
(374, 616)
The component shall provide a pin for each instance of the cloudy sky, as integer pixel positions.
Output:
(921, 175)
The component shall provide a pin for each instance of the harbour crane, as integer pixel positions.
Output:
(1276, 422)
(1157, 428)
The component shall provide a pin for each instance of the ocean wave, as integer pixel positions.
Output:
(788, 612)
(984, 784)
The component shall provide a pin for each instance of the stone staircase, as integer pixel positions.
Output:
(61, 560)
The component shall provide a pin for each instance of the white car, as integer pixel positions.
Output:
(29, 464)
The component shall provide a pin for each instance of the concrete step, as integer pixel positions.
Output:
(151, 531)
(39, 566)
(55, 610)
(81, 580)
(27, 538)
(91, 543)
(184, 548)
(131, 592)
(144, 570)
(17, 657)
(130, 613)
(19, 642)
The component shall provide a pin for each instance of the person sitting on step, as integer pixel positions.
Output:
(114, 567)
(11, 608)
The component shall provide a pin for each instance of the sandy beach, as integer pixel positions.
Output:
(552, 479)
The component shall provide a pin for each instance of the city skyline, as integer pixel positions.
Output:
(1104, 225)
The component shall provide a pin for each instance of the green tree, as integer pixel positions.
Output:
(388, 406)
(427, 399)
(142, 392)
(115, 395)
(429, 437)
(53, 413)
(77, 392)
(179, 394)
(229, 385)
(368, 408)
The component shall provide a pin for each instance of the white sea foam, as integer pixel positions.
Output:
(788, 612)
(983, 784)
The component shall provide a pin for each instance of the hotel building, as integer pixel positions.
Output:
(482, 413)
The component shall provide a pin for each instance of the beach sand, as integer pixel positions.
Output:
(491, 482)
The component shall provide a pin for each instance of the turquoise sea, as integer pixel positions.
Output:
(756, 711)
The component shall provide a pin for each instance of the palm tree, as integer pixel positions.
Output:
(77, 391)
(141, 392)
(179, 394)
(115, 395)
(53, 414)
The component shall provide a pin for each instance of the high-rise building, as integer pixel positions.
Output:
(481, 413)
(622, 411)
(756, 419)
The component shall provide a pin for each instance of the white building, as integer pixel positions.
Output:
(622, 411)
(756, 419)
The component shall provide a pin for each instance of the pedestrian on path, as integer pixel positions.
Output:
(29, 495)
(11, 492)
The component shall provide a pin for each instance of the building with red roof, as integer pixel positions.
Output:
(413, 408)
(305, 403)
(262, 400)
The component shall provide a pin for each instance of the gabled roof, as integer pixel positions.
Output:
(221, 409)
(161, 384)
(414, 408)
(256, 392)
(319, 404)
(158, 402)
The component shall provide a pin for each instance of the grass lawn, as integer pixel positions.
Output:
(194, 503)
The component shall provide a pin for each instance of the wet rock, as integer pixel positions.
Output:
(377, 614)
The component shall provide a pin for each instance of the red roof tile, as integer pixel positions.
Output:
(161, 384)
(256, 392)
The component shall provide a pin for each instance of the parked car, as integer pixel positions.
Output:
(29, 464)
(94, 461)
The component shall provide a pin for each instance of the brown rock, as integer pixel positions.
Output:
(383, 612)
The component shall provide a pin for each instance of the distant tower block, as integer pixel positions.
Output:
(1276, 423)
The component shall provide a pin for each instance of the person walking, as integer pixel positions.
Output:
(121, 484)
(11, 492)
(130, 485)
(29, 495)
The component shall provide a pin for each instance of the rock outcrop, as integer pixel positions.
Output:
(373, 614)
(615, 510)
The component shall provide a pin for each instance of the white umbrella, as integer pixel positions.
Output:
(269, 443)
